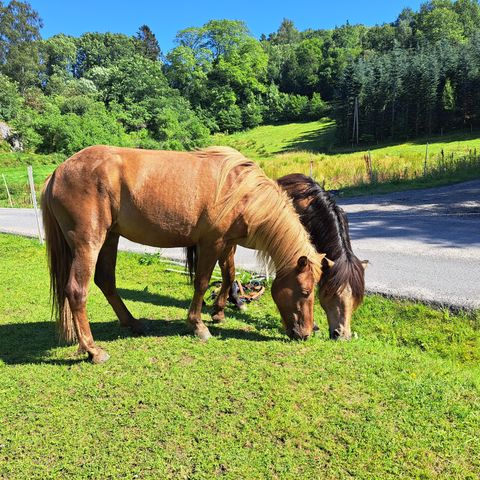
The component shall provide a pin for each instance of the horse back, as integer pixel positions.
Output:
(161, 198)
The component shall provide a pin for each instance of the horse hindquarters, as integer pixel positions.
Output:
(71, 264)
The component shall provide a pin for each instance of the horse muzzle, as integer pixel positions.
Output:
(294, 334)
(340, 335)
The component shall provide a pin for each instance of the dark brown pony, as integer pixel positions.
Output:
(342, 286)
(214, 199)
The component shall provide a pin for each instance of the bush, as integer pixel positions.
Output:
(252, 115)
(230, 120)
(10, 99)
(51, 131)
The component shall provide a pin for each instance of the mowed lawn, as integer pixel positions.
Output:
(401, 401)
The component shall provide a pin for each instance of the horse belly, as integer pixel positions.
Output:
(161, 223)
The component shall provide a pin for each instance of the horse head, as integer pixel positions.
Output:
(343, 299)
(293, 293)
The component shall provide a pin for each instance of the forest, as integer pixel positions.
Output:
(415, 76)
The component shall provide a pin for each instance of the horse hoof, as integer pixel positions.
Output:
(203, 334)
(243, 307)
(100, 357)
(218, 318)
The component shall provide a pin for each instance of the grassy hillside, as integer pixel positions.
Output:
(401, 401)
(297, 147)
(290, 148)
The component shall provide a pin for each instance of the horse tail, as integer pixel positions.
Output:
(59, 262)
(191, 259)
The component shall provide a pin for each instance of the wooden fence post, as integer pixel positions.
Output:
(34, 201)
(8, 191)
(425, 162)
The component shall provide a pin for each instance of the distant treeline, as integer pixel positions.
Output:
(417, 75)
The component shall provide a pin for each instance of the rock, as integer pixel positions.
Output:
(5, 131)
(8, 135)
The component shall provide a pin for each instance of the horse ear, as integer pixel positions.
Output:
(327, 264)
(302, 264)
(365, 264)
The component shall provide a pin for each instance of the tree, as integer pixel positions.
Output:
(59, 54)
(148, 44)
(19, 24)
(286, 33)
(136, 89)
(468, 12)
(23, 64)
(10, 99)
(438, 20)
(221, 69)
(19, 34)
(102, 50)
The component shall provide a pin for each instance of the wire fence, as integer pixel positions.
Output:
(15, 187)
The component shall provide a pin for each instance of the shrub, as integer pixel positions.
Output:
(10, 99)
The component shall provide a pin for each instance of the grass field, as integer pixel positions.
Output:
(401, 401)
(13, 166)
(296, 147)
(284, 149)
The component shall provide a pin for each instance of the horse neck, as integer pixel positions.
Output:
(278, 233)
(327, 226)
(274, 228)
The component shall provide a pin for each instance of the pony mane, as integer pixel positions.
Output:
(274, 226)
(328, 227)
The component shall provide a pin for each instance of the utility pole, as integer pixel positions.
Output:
(355, 121)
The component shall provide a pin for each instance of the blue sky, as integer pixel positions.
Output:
(165, 18)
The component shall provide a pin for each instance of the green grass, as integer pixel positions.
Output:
(269, 140)
(297, 147)
(284, 149)
(401, 401)
(13, 166)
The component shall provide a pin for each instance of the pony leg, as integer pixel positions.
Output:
(207, 257)
(105, 280)
(76, 291)
(227, 266)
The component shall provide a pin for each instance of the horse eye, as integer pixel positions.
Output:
(306, 293)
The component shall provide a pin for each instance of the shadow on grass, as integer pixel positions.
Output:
(27, 343)
(145, 296)
(319, 140)
(322, 140)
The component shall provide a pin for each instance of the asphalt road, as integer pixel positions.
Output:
(421, 244)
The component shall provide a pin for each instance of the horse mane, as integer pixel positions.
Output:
(273, 224)
(328, 227)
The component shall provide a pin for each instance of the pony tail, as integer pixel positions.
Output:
(59, 262)
(191, 259)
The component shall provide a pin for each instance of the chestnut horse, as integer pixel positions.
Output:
(213, 199)
(342, 286)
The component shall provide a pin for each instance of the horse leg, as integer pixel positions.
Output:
(227, 266)
(207, 257)
(105, 280)
(81, 271)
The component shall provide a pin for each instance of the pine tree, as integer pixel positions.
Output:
(148, 43)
